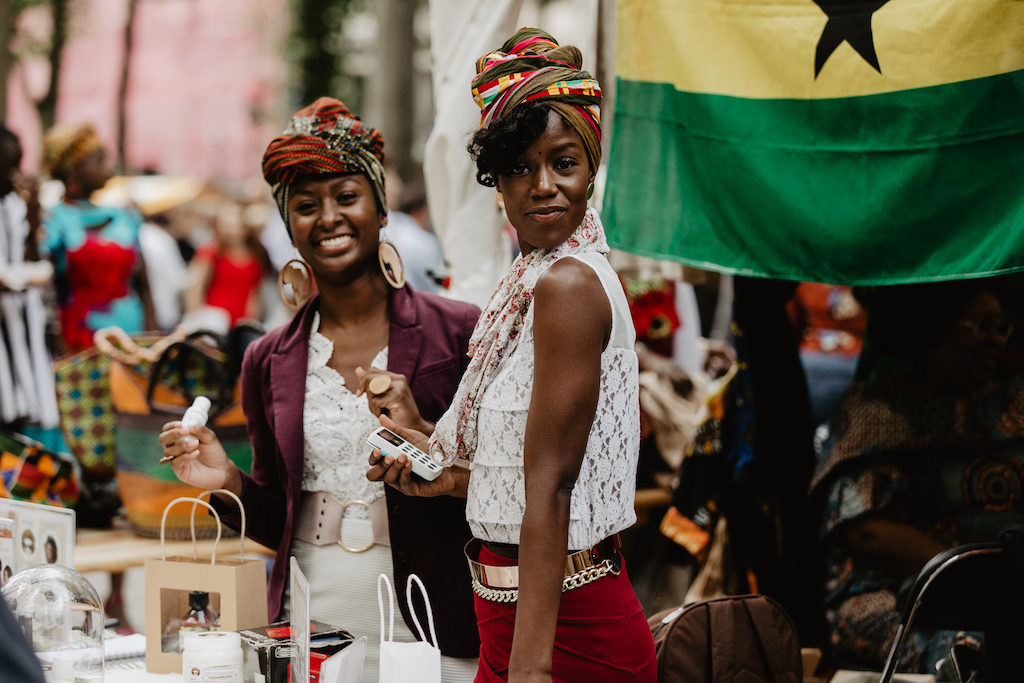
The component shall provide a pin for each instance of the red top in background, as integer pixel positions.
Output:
(232, 282)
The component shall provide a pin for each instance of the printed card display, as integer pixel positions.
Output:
(40, 534)
(6, 549)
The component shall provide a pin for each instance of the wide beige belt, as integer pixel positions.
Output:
(320, 520)
(508, 577)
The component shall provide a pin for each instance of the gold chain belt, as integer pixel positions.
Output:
(501, 584)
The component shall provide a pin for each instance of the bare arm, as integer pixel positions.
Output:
(571, 327)
(145, 294)
(199, 273)
(904, 547)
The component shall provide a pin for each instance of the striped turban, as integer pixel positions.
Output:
(532, 66)
(65, 147)
(324, 138)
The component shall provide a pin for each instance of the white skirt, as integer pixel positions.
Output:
(343, 593)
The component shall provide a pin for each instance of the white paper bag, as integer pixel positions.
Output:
(405, 662)
(345, 666)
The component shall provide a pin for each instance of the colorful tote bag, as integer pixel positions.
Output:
(87, 417)
(86, 412)
(198, 366)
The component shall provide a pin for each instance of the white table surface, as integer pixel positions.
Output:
(139, 676)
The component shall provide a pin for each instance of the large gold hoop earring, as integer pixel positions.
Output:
(297, 276)
(391, 264)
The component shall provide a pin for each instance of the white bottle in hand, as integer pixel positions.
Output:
(196, 416)
(198, 413)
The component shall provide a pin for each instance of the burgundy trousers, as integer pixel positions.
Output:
(602, 634)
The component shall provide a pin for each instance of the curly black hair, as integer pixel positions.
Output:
(497, 148)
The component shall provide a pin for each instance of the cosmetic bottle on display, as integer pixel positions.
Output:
(211, 656)
(200, 617)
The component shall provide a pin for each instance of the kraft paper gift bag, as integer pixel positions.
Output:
(401, 662)
(237, 589)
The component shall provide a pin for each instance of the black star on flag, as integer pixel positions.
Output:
(848, 20)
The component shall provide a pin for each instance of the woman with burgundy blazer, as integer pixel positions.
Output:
(306, 393)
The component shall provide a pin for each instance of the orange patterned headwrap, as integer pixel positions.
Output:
(65, 147)
(531, 66)
(324, 138)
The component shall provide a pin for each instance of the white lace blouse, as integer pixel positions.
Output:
(335, 424)
(602, 500)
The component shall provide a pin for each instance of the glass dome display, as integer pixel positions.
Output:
(59, 611)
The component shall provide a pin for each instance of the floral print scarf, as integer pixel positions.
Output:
(497, 334)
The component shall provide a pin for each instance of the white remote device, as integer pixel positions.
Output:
(392, 444)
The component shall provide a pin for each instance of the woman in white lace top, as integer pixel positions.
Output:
(548, 410)
(307, 411)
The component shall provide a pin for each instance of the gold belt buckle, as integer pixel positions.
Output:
(342, 527)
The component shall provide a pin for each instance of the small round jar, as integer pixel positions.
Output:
(212, 655)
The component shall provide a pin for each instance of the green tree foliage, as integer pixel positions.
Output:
(317, 48)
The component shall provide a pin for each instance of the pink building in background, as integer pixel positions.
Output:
(204, 91)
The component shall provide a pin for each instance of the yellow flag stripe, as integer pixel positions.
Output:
(766, 48)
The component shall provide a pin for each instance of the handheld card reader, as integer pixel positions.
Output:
(392, 444)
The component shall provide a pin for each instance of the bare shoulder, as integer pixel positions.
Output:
(569, 277)
(570, 285)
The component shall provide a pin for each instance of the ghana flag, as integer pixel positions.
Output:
(832, 140)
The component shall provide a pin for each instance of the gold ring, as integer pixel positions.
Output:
(340, 542)
(380, 384)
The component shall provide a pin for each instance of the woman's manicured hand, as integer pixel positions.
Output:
(397, 472)
(396, 401)
(199, 457)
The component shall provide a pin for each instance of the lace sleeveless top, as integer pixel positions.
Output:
(602, 500)
(335, 424)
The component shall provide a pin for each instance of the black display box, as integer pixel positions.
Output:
(268, 650)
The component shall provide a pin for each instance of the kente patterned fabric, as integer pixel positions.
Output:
(532, 66)
(65, 147)
(497, 334)
(324, 138)
(29, 471)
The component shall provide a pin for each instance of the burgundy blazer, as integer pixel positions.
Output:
(428, 343)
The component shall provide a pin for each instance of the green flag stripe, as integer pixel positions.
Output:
(908, 186)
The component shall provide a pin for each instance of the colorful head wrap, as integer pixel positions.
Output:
(65, 147)
(531, 66)
(324, 138)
